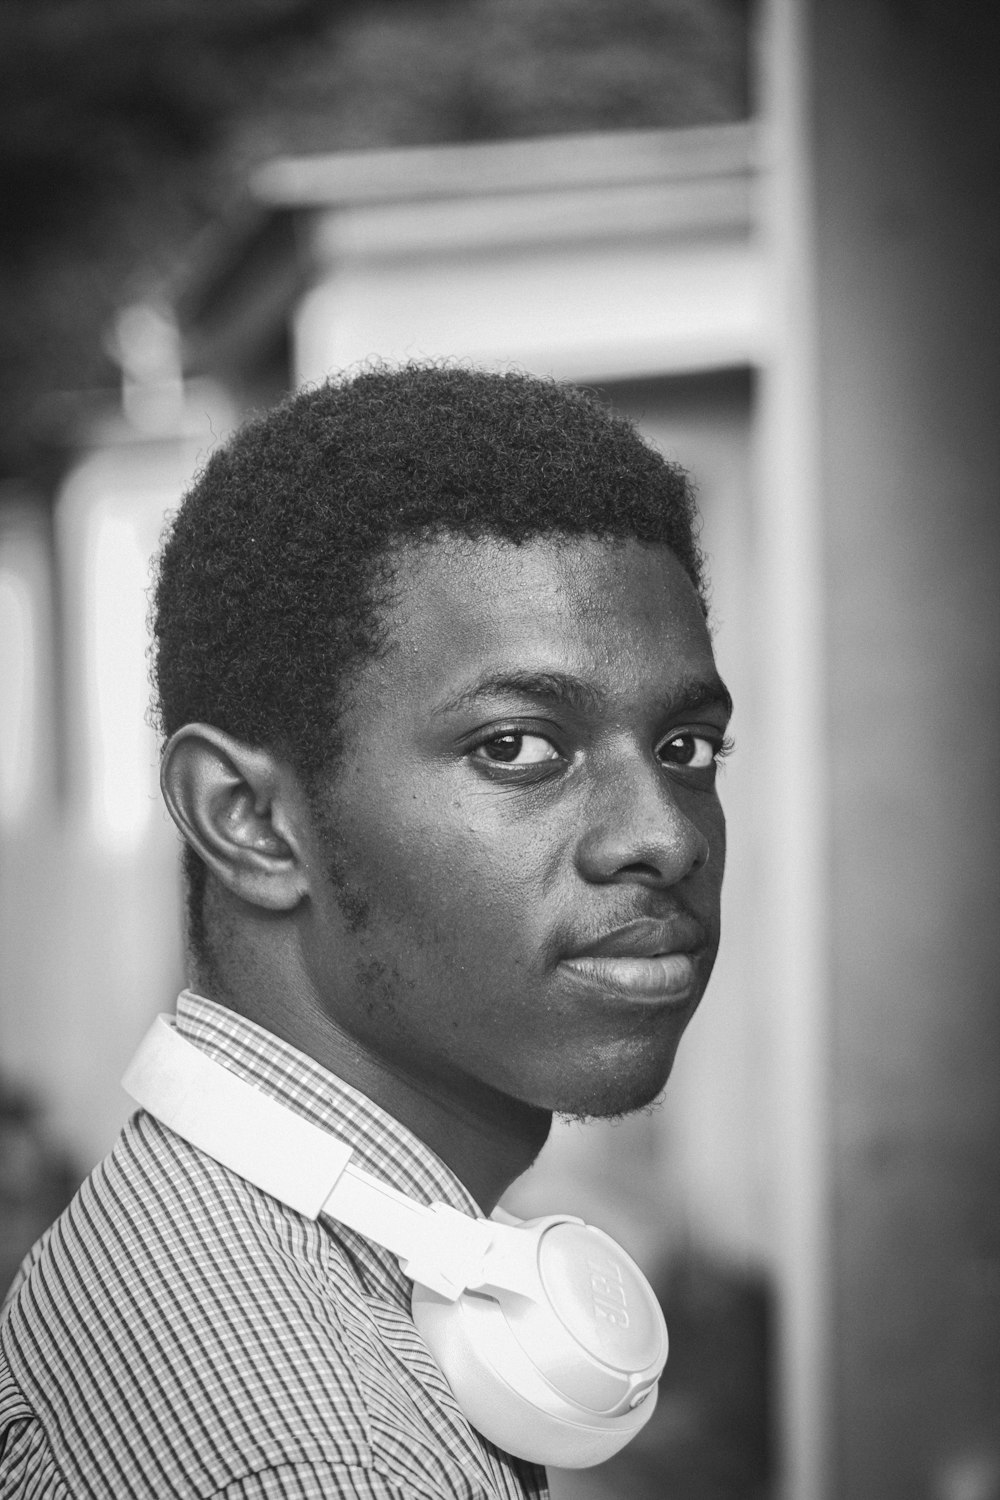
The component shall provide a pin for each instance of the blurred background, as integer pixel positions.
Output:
(769, 232)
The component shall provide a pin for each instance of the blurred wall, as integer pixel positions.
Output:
(880, 446)
(90, 935)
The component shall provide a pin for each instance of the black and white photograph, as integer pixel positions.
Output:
(499, 624)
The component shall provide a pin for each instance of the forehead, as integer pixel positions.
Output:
(613, 611)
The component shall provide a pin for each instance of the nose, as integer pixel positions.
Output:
(637, 827)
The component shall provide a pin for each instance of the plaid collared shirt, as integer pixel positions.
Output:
(179, 1333)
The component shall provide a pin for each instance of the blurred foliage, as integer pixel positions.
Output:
(126, 125)
(500, 69)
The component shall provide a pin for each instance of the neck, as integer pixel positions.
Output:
(487, 1145)
(486, 1138)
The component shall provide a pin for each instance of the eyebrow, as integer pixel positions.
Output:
(564, 690)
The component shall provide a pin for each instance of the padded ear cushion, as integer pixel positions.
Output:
(550, 1378)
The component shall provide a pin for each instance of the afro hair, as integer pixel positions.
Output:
(272, 570)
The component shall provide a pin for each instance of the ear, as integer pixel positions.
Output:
(238, 807)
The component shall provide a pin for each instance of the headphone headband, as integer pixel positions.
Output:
(299, 1163)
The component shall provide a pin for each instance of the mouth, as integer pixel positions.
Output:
(646, 959)
(670, 976)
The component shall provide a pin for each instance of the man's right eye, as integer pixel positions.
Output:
(514, 749)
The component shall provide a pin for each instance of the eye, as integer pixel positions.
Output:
(694, 751)
(514, 749)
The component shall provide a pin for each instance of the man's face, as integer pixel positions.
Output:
(524, 840)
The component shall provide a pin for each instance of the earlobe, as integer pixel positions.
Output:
(235, 805)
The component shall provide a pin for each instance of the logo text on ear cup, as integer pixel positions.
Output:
(608, 1293)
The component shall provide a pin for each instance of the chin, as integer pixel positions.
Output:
(611, 1092)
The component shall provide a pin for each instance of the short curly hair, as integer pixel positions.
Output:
(273, 570)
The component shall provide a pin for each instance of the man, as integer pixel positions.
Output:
(442, 726)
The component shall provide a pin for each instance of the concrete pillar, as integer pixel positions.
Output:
(899, 162)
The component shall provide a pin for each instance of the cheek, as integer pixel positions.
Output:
(707, 887)
(442, 876)
(715, 832)
(718, 846)
(707, 815)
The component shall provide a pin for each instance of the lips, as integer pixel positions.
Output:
(643, 959)
(647, 937)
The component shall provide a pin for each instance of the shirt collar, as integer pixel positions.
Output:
(381, 1144)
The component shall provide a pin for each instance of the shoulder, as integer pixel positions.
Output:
(178, 1323)
(179, 1332)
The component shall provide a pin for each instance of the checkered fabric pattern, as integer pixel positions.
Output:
(179, 1333)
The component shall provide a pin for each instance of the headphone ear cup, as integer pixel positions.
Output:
(533, 1374)
(504, 1397)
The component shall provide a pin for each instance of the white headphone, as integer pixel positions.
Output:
(548, 1334)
